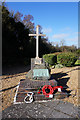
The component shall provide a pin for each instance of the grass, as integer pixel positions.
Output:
(77, 63)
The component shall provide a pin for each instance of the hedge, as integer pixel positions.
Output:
(51, 59)
(67, 59)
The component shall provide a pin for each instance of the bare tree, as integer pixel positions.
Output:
(62, 42)
(18, 16)
(27, 21)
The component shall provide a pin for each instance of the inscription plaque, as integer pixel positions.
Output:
(41, 74)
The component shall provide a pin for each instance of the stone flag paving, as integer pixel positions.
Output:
(46, 109)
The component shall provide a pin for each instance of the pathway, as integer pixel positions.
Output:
(47, 109)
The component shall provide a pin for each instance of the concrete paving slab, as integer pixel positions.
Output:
(14, 111)
(49, 109)
(25, 115)
(51, 103)
(56, 114)
(67, 108)
(38, 111)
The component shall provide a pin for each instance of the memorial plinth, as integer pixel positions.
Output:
(38, 61)
(35, 62)
(38, 71)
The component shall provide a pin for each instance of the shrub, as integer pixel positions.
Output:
(78, 51)
(51, 59)
(59, 66)
(67, 59)
(77, 63)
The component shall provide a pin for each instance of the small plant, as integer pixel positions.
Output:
(59, 66)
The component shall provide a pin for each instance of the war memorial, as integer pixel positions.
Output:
(39, 84)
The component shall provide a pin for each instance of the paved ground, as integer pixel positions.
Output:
(48, 109)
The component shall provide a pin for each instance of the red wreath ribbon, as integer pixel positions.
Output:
(56, 87)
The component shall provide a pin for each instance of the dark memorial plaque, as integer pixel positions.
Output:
(41, 74)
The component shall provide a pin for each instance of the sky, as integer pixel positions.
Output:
(59, 20)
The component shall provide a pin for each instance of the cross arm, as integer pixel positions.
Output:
(37, 35)
(42, 35)
(32, 34)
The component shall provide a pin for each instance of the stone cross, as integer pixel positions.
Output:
(37, 40)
